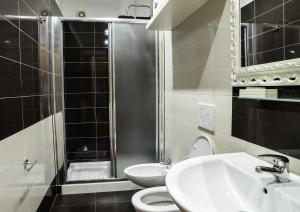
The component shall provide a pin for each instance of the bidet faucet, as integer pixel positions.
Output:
(167, 163)
(280, 169)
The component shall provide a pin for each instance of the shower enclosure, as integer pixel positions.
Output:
(110, 98)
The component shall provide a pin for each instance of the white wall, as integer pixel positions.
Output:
(21, 190)
(198, 69)
(245, 2)
(102, 8)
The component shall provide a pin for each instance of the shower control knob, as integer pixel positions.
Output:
(85, 149)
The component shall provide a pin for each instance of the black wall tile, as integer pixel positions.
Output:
(102, 129)
(10, 117)
(102, 100)
(10, 81)
(9, 40)
(292, 33)
(87, 88)
(292, 52)
(24, 51)
(80, 70)
(272, 25)
(79, 40)
(45, 106)
(102, 69)
(79, 145)
(82, 156)
(101, 28)
(247, 12)
(102, 85)
(101, 40)
(271, 124)
(80, 115)
(268, 56)
(77, 26)
(101, 55)
(29, 51)
(262, 6)
(103, 144)
(269, 20)
(292, 11)
(30, 81)
(269, 40)
(80, 100)
(30, 27)
(80, 85)
(31, 110)
(244, 114)
(81, 130)
(79, 54)
(102, 115)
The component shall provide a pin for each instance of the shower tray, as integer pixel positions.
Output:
(85, 171)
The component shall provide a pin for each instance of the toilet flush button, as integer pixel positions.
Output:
(206, 116)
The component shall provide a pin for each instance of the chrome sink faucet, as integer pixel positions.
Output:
(280, 169)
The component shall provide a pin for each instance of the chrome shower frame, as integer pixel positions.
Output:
(112, 106)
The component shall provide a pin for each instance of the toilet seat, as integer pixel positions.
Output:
(156, 199)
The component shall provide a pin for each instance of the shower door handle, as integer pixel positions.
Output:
(29, 165)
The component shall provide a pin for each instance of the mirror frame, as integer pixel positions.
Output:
(269, 74)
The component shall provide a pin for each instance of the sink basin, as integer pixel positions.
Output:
(229, 182)
(147, 175)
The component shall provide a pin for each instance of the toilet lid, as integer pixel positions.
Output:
(201, 147)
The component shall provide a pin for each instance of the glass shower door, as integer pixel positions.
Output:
(135, 85)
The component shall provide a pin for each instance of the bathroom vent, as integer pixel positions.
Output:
(81, 14)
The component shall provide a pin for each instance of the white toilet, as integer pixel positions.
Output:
(157, 199)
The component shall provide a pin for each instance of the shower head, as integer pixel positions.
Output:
(128, 16)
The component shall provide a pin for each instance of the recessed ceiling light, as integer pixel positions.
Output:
(106, 42)
(292, 52)
(7, 41)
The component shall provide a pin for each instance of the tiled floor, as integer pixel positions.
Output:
(99, 202)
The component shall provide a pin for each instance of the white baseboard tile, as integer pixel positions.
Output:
(99, 187)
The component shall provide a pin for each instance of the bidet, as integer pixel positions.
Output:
(147, 175)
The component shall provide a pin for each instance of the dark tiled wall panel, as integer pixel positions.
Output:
(271, 124)
(86, 86)
(26, 73)
(26, 91)
(273, 30)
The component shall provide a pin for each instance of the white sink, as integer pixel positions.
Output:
(229, 182)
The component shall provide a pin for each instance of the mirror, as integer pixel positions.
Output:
(265, 42)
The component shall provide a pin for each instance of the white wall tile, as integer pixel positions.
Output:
(198, 69)
(33, 143)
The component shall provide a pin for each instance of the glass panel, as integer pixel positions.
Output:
(135, 95)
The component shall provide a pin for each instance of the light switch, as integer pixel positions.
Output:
(206, 116)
